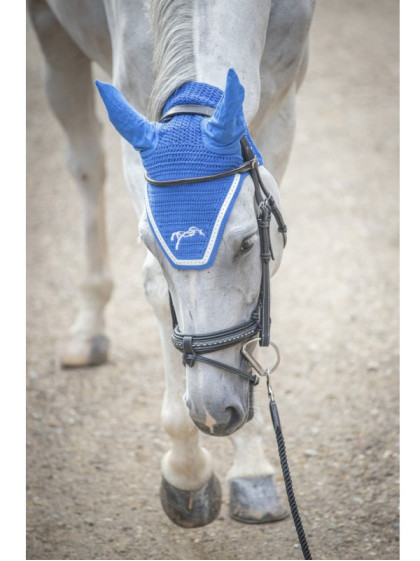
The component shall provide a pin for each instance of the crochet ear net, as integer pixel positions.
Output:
(132, 126)
(225, 128)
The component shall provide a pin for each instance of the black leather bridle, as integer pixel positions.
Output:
(194, 347)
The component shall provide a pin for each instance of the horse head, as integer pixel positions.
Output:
(204, 234)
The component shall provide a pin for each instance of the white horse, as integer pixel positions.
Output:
(188, 41)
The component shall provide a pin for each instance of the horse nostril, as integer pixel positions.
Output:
(217, 414)
(235, 418)
(224, 424)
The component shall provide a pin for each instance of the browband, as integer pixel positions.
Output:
(247, 166)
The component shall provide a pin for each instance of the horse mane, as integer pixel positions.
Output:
(172, 24)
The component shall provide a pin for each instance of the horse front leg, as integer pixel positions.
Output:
(190, 492)
(69, 89)
(254, 498)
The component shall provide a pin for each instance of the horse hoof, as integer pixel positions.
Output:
(255, 500)
(85, 350)
(191, 509)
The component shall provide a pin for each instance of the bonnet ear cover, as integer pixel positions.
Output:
(132, 126)
(188, 220)
(223, 131)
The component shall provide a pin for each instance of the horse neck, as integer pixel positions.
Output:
(231, 34)
(196, 40)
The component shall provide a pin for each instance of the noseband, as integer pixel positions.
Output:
(193, 347)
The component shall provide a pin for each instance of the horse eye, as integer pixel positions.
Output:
(248, 243)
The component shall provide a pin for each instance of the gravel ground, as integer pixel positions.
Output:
(94, 440)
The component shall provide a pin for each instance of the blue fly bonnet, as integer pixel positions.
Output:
(188, 219)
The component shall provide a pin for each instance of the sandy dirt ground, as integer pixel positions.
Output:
(95, 440)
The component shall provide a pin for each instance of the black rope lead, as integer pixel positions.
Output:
(287, 478)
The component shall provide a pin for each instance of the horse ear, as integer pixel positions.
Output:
(227, 125)
(135, 128)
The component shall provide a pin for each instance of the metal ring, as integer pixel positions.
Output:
(255, 364)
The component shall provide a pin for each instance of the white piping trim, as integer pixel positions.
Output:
(214, 234)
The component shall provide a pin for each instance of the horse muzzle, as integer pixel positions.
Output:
(219, 405)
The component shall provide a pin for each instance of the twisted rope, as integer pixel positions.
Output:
(288, 480)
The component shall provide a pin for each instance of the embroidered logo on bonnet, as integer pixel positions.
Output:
(188, 219)
(178, 236)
